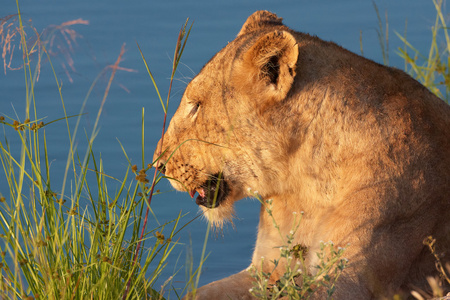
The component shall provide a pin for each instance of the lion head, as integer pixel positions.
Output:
(218, 143)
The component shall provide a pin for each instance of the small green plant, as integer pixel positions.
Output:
(298, 281)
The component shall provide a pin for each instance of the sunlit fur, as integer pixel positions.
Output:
(218, 216)
(362, 149)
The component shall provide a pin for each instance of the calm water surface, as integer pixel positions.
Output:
(155, 25)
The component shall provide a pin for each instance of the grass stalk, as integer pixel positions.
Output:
(431, 69)
(53, 244)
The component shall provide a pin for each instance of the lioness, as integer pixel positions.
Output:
(362, 149)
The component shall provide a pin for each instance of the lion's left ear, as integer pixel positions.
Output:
(271, 62)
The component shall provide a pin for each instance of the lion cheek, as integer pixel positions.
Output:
(176, 185)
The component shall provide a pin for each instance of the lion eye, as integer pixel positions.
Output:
(194, 109)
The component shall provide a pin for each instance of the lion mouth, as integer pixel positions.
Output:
(212, 192)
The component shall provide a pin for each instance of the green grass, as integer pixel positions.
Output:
(431, 69)
(86, 238)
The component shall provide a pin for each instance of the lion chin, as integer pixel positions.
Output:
(220, 215)
(216, 200)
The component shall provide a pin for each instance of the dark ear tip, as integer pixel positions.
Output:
(265, 16)
(260, 19)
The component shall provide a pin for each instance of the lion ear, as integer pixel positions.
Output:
(271, 63)
(259, 20)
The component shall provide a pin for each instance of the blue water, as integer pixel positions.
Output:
(155, 25)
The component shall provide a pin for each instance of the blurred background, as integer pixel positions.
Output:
(87, 38)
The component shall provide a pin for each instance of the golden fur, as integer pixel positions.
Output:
(362, 149)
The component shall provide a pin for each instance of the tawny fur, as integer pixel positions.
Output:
(362, 149)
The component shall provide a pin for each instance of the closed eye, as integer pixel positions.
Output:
(195, 107)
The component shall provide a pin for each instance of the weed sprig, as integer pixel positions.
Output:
(298, 280)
